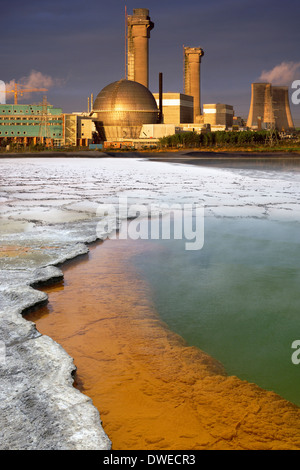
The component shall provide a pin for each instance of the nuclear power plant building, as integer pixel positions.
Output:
(270, 107)
(176, 107)
(218, 115)
(121, 109)
(126, 110)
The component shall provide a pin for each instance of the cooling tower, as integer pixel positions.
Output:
(139, 26)
(281, 105)
(192, 60)
(270, 106)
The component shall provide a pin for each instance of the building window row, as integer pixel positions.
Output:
(20, 111)
(12, 133)
(25, 123)
(26, 111)
(49, 118)
(18, 133)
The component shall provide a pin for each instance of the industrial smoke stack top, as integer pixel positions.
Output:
(139, 26)
(192, 60)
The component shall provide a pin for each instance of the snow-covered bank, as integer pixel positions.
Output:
(40, 408)
(48, 210)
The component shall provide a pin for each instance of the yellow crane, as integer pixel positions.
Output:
(20, 91)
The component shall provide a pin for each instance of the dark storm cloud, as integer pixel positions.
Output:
(81, 44)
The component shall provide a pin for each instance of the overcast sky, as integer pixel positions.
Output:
(75, 48)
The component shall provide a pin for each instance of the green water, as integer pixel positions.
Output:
(238, 298)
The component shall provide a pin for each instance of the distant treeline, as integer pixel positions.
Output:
(218, 138)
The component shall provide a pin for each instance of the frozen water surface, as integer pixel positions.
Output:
(49, 214)
(50, 204)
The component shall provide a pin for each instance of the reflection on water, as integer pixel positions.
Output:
(238, 162)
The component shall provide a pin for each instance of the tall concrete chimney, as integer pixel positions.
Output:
(271, 104)
(192, 60)
(139, 26)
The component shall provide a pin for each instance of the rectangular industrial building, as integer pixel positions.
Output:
(156, 131)
(218, 114)
(78, 130)
(31, 124)
(176, 107)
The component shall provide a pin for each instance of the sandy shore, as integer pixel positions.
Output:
(152, 390)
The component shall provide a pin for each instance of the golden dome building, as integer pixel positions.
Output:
(121, 109)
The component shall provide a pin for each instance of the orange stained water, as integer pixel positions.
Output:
(151, 389)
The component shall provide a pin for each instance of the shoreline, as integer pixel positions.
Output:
(125, 350)
(39, 371)
(17, 296)
(158, 154)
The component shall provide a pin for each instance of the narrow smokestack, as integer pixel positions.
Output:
(192, 60)
(160, 98)
(139, 27)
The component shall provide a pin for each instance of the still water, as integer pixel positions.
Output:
(238, 298)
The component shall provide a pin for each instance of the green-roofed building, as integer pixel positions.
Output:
(31, 124)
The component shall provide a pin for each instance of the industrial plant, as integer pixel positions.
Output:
(270, 107)
(126, 114)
